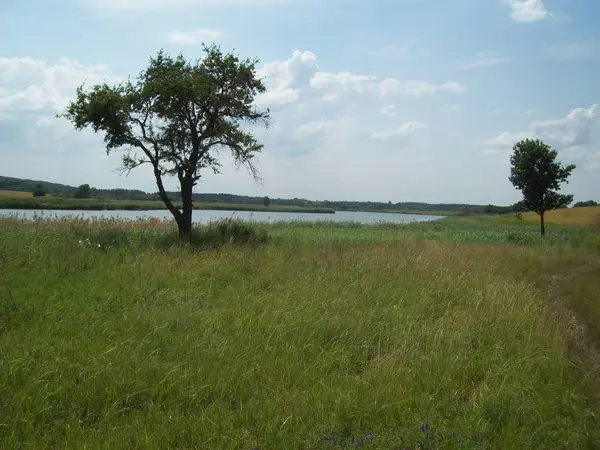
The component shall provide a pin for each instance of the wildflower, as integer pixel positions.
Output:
(99, 246)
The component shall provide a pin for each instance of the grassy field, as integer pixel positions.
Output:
(20, 201)
(462, 333)
(577, 216)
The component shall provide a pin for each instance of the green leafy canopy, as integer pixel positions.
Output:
(177, 114)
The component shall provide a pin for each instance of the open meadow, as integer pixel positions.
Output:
(463, 333)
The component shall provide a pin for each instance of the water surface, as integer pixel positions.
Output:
(203, 216)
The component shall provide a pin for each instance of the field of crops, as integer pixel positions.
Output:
(14, 194)
(577, 216)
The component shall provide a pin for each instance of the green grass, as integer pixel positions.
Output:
(334, 335)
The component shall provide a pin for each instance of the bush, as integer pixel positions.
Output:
(519, 216)
(219, 233)
(232, 231)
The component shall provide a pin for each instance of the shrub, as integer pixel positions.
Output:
(219, 233)
(232, 231)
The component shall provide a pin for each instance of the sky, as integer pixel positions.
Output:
(382, 100)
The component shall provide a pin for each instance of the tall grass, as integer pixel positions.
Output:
(330, 336)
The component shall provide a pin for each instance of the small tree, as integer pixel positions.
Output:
(39, 191)
(83, 191)
(266, 202)
(538, 176)
(176, 117)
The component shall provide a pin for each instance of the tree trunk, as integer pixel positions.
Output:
(185, 227)
(543, 226)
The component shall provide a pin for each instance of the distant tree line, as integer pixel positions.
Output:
(517, 207)
(585, 204)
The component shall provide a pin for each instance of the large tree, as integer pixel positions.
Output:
(537, 174)
(176, 116)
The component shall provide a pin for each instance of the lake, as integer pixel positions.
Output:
(203, 216)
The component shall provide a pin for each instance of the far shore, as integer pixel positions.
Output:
(58, 203)
(52, 202)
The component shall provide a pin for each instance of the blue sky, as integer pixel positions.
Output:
(401, 100)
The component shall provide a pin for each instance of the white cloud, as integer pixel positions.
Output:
(530, 112)
(418, 88)
(13, 68)
(344, 81)
(406, 129)
(285, 79)
(314, 127)
(484, 59)
(33, 85)
(572, 135)
(527, 10)
(503, 142)
(193, 37)
(574, 129)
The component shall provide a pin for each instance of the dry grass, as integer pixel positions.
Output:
(14, 194)
(572, 216)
